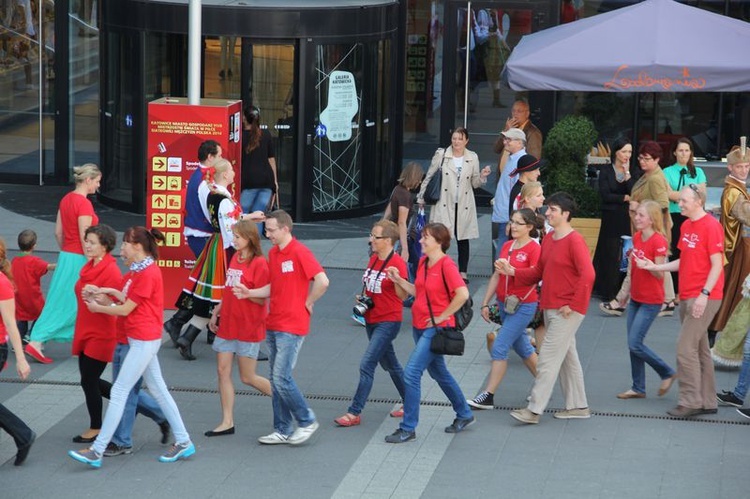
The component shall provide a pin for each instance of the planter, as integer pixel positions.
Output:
(589, 229)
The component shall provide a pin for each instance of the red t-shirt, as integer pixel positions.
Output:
(387, 306)
(27, 273)
(645, 287)
(72, 206)
(146, 289)
(291, 269)
(699, 239)
(6, 293)
(95, 333)
(244, 320)
(435, 288)
(525, 257)
(566, 269)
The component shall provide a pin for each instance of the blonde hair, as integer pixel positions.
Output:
(88, 170)
(527, 191)
(390, 230)
(220, 166)
(653, 210)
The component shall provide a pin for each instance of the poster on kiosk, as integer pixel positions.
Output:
(175, 131)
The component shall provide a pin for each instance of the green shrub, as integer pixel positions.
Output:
(565, 149)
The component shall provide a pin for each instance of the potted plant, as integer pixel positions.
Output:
(565, 149)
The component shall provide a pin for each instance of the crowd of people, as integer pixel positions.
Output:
(542, 282)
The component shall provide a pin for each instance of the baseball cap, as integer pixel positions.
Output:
(514, 133)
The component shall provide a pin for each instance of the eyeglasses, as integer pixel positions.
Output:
(694, 187)
(373, 236)
(645, 158)
(513, 222)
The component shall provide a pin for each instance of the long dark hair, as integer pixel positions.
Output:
(148, 239)
(252, 117)
(690, 163)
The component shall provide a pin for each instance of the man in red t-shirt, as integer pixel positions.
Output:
(292, 267)
(568, 276)
(701, 267)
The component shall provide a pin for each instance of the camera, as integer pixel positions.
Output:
(364, 303)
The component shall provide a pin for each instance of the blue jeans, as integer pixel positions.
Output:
(287, 400)
(513, 332)
(498, 239)
(640, 317)
(380, 349)
(138, 402)
(422, 358)
(740, 391)
(141, 360)
(255, 200)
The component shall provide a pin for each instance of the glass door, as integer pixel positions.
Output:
(480, 37)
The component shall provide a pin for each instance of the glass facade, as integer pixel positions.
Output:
(75, 77)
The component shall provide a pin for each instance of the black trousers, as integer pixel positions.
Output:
(462, 245)
(91, 372)
(9, 422)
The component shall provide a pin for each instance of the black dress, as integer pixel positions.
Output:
(615, 223)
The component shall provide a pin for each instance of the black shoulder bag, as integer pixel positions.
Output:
(432, 191)
(447, 340)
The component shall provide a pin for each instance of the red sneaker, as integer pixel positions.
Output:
(37, 355)
(398, 413)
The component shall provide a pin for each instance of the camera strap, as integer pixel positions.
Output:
(382, 267)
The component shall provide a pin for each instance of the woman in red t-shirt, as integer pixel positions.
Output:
(140, 304)
(243, 322)
(523, 252)
(74, 216)
(16, 428)
(646, 298)
(439, 281)
(382, 319)
(94, 338)
(701, 267)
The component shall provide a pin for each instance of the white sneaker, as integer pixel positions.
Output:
(274, 438)
(302, 435)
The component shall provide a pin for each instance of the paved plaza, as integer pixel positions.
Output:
(629, 448)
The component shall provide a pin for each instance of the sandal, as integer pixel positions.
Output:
(348, 420)
(667, 310)
(608, 309)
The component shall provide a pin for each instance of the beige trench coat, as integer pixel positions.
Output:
(444, 210)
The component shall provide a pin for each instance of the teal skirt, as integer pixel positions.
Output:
(58, 318)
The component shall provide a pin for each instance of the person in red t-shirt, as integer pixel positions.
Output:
(291, 267)
(522, 251)
(439, 281)
(243, 322)
(646, 298)
(28, 270)
(701, 267)
(22, 435)
(140, 304)
(382, 319)
(74, 215)
(94, 337)
(568, 275)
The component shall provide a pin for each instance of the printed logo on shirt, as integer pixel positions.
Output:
(234, 276)
(638, 253)
(691, 240)
(374, 282)
(287, 266)
(521, 256)
(126, 287)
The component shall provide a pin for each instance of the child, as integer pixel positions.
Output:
(28, 270)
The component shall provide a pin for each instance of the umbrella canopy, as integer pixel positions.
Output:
(652, 46)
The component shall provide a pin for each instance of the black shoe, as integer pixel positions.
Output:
(113, 450)
(210, 337)
(484, 400)
(185, 342)
(23, 451)
(173, 326)
(460, 424)
(729, 398)
(165, 430)
(212, 433)
(744, 412)
(708, 411)
(79, 439)
(262, 355)
(400, 436)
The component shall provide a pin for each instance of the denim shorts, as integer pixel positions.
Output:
(241, 348)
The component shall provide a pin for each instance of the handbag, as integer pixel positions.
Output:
(434, 186)
(447, 340)
(464, 314)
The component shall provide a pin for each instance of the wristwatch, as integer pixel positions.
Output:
(706, 292)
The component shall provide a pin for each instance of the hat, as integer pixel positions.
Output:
(739, 154)
(527, 163)
(514, 133)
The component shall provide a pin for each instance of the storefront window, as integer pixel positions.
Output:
(83, 80)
